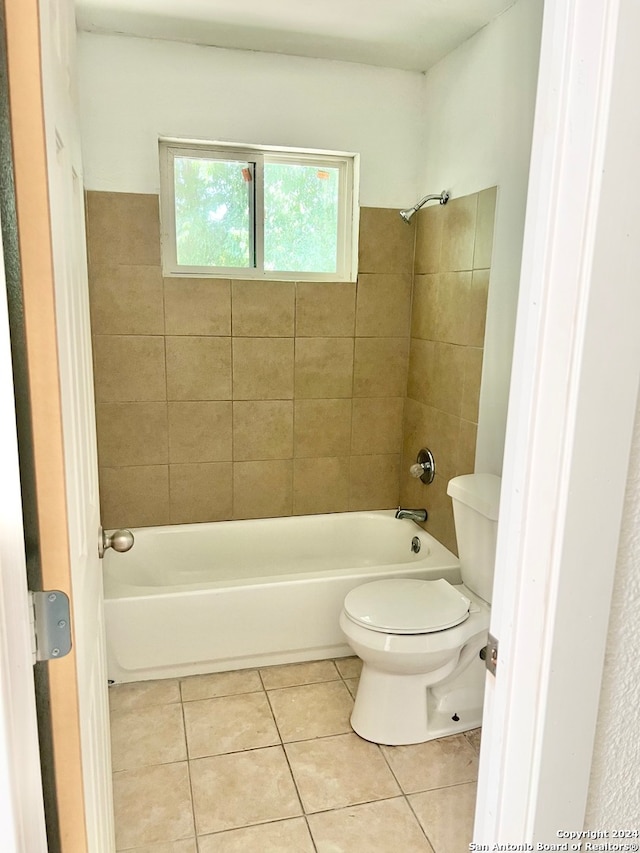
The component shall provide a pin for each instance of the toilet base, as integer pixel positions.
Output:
(396, 709)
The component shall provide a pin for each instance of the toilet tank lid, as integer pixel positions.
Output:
(478, 491)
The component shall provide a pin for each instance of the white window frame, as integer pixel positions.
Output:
(348, 174)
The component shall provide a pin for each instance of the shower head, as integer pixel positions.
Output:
(443, 198)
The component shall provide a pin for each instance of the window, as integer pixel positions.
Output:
(257, 212)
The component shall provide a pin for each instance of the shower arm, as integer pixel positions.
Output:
(442, 197)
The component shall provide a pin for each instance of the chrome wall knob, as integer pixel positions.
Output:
(119, 540)
(425, 467)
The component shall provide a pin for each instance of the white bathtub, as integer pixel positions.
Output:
(197, 598)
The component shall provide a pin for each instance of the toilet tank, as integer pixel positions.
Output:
(476, 500)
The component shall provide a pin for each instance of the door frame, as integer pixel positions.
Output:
(563, 410)
(21, 798)
(571, 416)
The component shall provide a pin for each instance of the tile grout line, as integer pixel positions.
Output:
(186, 743)
(293, 778)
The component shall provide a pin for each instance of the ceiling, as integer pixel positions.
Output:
(409, 34)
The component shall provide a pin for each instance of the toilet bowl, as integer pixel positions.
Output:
(420, 640)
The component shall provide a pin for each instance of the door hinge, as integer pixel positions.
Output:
(50, 624)
(489, 654)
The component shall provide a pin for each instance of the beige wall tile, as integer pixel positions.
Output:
(374, 482)
(422, 368)
(262, 368)
(377, 425)
(322, 427)
(134, 497)
(429, 222)
(229, 791)
(262, 429)
(263, 308)
(447, 377)
(200, 492)
(126, 300)
(386, 241)
(325, 309)
(383, 305)
(342, 770)
(385, 825)
(441, 432)
(275, 837)
(458, 233)
(129, 368)
(467, 448)
(380, 368)
(451, 316)
(414, 432)
(198, 368)
(200, 431)
(413, 492)
(472, 381)
(323, 367)
(447, 816)
(152, 805)
(262, 489)
(440, 522)
(484, 228)
(320, 485)
(477, 317)
(132, 434)
(423, 312)
(197, 306)
(123, 228)
(312, 710)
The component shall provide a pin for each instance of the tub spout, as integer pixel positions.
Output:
(413, 514)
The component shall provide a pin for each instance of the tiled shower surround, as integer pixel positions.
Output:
(221, 399)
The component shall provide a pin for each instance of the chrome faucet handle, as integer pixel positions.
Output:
(425, 467)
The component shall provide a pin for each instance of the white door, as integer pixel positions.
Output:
(571, 414)
(66, 193)
(40, 41)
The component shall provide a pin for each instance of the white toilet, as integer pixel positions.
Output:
(419, 640)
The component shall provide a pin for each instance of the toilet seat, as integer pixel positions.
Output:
(407, 606)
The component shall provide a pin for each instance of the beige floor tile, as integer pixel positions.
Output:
(339, 771)
(293, 674)
(352, 685)
(349, 667)
(371, 828)
(435, 764)
(283, 835)
(474, 738)
(146, 736)
(141, 694)
(220, 684)
(188, 846)
(312, 710)
(447, 816)
(229, 724)
(244, 788)
(152, 805)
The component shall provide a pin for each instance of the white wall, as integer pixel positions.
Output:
(614, 793)
(133, 90)
(478, 126)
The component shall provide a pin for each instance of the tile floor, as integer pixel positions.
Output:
(259, 761)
